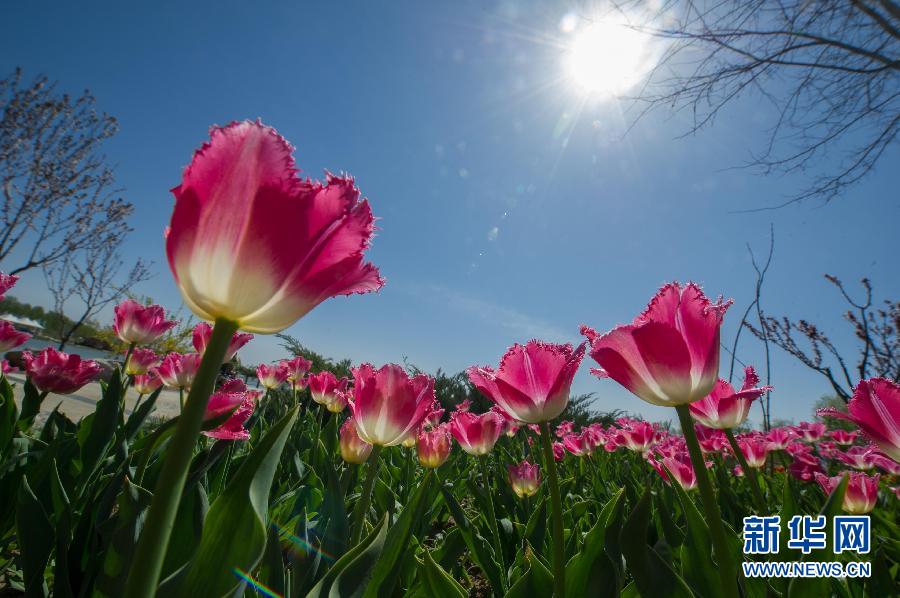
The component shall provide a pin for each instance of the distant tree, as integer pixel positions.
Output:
(58, 193)
(93, 276)
(319, 362)
(829, 68)
(876, 328)
(581, 412)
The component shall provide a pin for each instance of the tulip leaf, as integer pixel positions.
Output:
(8, 414)
(31, 404)
(536, 529)
(590, 572)
(652, 575)
(131, 503)
(479, 548)
(139, 415)
(697, 565)
(36, 539)
(102, 428)
(348, 576)
(234, 534)
(437, 582)
(187, 531)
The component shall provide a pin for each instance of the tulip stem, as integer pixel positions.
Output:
(143, 577)
(559, 549)
(492, 516)
(749, 472)
(727, 573)
(365, 498)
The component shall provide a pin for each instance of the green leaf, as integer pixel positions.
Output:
(36, 539)
(536, 529)
(697, 565)
(234, 534)
(481, 551)
(385, 574)
(31, 404)
(437, 582)
(187, 532)
(131, 503)
(348, 575)
(8, 414)
(652, 575)
(137, 417)
(590, 572)
(102, 429)
(271, 570)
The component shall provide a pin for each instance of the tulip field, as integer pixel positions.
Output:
(375, 481)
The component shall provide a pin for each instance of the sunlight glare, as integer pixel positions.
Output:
(607, 58)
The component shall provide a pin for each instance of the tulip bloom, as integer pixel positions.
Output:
(58, 372)
(669, 355)
(145, 384)
(780, 438)
(178, 370)
(271, 376)
(525, 478)
(476, 434)
(533, 381)
(755, 449)
(637, 436)
(10, 338)
(241, 404)
(843, 437)
(804, 466)
(433, 447)
(724, 407)
(810, 431)
(7, 281)
(579, 444)
(140, 324)
(387, 404)
(564, 429)
(353, 448)
(861, 493)
(857, 457)
(141, 361)
(6, 368)
(253, 243)
(875, 408)
(679, 466)
(297, 368)
(324, 385)
(203, 332)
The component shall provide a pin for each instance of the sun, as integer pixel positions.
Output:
(608, 58)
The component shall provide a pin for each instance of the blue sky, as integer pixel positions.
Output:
(509, 208)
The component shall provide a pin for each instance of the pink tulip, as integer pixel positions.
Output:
(241, 404)
(463, 405)
(324, 385)
(525, 478)
(339, 401)
(141, 361)
(711, 440)
(203, 332)
(886, 464)
(58, 372)
(638, 436)
(875, 408)
(297, 369)
(861, 494)
(272, 376)
(252, 242)
(559, 451)
(755, 449)
(669, 355)
(145, 384)
(178, 370)
(388, 404)
(353, 448)
(724, 407)
(843, 437)
(433, 419)
(7, 281)
(780, 438)
(579, 444)
(804, 466)
(476, 434)
(433, 446)
(6, 368)
(564, 429)
(140, 324)
(679, 466)
(857, 457)
(810, 431)
(533, 381)
(10, 338)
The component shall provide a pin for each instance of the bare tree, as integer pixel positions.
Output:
(92, 276)
(830, 69)
(59, 195)
(877, 330)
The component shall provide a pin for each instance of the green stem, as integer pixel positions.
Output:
(492, 516)
(365, 499)
(151, 549)
(727, 572)
(749, 473)
(559, 554)
(181, 399)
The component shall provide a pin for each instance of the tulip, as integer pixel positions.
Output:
(525, 478)
(58, 372)
(271, 376)
(886, 464)
(178, 370)
(140, 361)
(533, 380)
(7, 281)
(253, 243)
(579, 444)
(241, 406)
(780, 438)
(387, 404)
(809, 431)
(857, 457)
(669, 355)
(875, 408)
(843, 437)
(463, 405)
(861, 493)
(559, 451)
(476, 434)
(339, 401)
(755, 450)
(353, 448)
(711, 441)
(297, 369)
(433, 419)
(679, 466)
(637, 436)
(324, 385)
(145, 384)
(10, 338)
(564, 429)
(724, 407)
(804, 466)
(6, 368)
(203, 332)
(138, 324)
(433, 447)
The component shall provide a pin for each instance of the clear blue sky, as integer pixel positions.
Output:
(506, 212)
